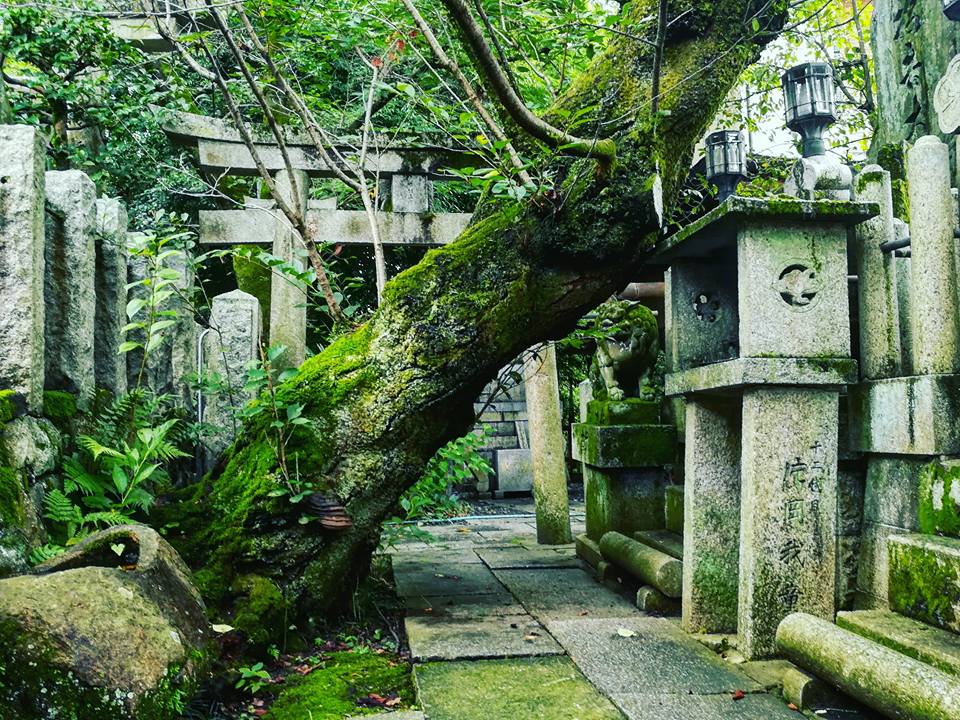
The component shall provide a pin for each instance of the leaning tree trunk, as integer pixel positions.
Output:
(383, 399)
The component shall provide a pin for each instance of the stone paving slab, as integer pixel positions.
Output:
(460, 638)
(563, 593)
(441, 578)
(525, 558)
(448, 557)
(499, 602)
(517, 689)
(658, 659)
(703, 707)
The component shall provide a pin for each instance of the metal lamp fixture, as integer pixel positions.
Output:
(810, 104)
(951, 8)
(726, 161)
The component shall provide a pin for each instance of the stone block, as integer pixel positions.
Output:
(588, 550)
(411, 193)
(874, 567)
(703, 312)
(925, 579)
(907, 416)
(895, 685)
(673, 508)
(651, 600)
(850, 499)
(662, 540)
(623, 500)
(923, 642)
(514, 471)
(789, 511)
(711, 527)
(110, 366)
(22, 264)
(848, 566)
(807, 691)
(625, 446)
(629, 411)
(648, 565)
(752, 371)
(792, 289)
(69, 283)
(31, 445)
(939, 498)
(891, 496)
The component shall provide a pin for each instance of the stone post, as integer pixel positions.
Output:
(22, 264)
(936, 307)
(233, 343)
(547, 447)
(288, 299)
(183, 335)
(69, 282)
(110, 367)
(411, 193)
(711, 522)
(879, 307)
(788, 508)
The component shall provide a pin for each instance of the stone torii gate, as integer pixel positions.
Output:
(410, 172)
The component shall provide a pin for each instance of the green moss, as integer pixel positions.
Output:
(939, 499)
(626, 446)
(254, 278)
(11, 499)
(331, 692)
(925, 584)
(59, 407)
(8, 408)
(623, 412)
(261, 611)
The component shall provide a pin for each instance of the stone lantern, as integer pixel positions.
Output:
(759, 347)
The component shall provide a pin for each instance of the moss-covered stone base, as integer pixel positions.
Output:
(939, 499)
(925, 579)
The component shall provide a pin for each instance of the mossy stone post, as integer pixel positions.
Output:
(69, 283)
(879, 305)
(625, 451)
(547, 447)
(936, 307)
(22, 160)
(110, 366)
(288, 299)
(761, 350)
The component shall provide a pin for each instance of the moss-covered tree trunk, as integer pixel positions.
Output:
(382, 400)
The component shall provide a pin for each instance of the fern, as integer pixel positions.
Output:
(44, 553)
(77, 478)
(59, 508)
(110, 518)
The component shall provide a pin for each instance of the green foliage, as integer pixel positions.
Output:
(456, 463)
(59, 407)
(253, 678)
(8, 408)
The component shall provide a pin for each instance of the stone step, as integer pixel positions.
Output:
(920, 641)
(924, 579)
(588, 550)
(499, 429)
(501, 442)
(673, 505)
(886, 680)
(650, 566)
(663, 540)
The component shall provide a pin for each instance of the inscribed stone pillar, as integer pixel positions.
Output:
(547, 447)
(879, 308)
(936, 309)
(411, 193)
(69, 282)
(788, 507)
(711, 522)
(234, 342)
(288, 299)
(22, 264)
(110, 367)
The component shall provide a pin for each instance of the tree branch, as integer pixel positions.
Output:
(603, 150)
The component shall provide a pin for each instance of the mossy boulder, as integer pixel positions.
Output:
(60, 408)
(31, 445)
(111, 629)
(17, 523)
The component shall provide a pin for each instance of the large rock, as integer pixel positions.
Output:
(111, 629)
(31, 445)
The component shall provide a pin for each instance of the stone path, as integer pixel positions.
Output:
(503, 629)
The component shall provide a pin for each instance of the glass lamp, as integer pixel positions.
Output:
(810, 104)
(726, 160)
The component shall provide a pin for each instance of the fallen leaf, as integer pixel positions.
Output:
(530, 638)
(221, 629)
(582, 613)
(392, 702)
(739, 695)
(624, 632)
(463, 530)
(793, 707)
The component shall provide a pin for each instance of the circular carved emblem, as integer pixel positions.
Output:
(799, 286)
(706, 307)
